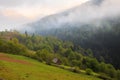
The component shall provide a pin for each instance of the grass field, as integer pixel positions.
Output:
(13, 67)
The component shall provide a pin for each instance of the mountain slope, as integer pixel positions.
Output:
(86, 13)
(94, 24)
(75, 16)
(10, 70)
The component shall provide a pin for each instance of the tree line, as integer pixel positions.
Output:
(45, 49)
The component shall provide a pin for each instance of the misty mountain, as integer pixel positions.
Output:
(87, 13)
(97, 2)
(94, 24)
(75, 16)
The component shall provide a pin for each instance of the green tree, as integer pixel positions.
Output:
(89, 52)
(118, 74)
(44, 55)
(89, 71)
(91, 63)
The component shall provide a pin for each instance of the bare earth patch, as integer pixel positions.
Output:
(7, 58)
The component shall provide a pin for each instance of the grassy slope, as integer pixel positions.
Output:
(36, 71)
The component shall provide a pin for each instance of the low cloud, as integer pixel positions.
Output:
(10, 19)
(92, 10)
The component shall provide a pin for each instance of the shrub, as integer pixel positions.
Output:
(104, 76)
(76, 70)
(118, 74)
(89, 71)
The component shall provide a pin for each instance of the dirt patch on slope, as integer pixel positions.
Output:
(7, 58)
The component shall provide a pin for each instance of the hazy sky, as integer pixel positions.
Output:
(15, 12)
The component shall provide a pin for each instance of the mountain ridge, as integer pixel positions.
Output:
(67, 17)
(90, 25)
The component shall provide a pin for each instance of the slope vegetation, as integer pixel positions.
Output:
(14, 67)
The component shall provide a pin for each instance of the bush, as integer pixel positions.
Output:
(44, 55)
(11, 47)
(118, 74)
(104, 76)
(89, 71)
(76, 70)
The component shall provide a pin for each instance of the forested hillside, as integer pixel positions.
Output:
(93, 25)
(46, 49)
(79, 38)
(102, 36)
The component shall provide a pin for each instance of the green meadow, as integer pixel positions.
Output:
(23, 68)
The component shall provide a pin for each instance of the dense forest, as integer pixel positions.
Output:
(45, 49)
(92, 25)
(102, 37)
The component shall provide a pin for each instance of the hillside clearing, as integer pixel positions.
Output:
(15, 70)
